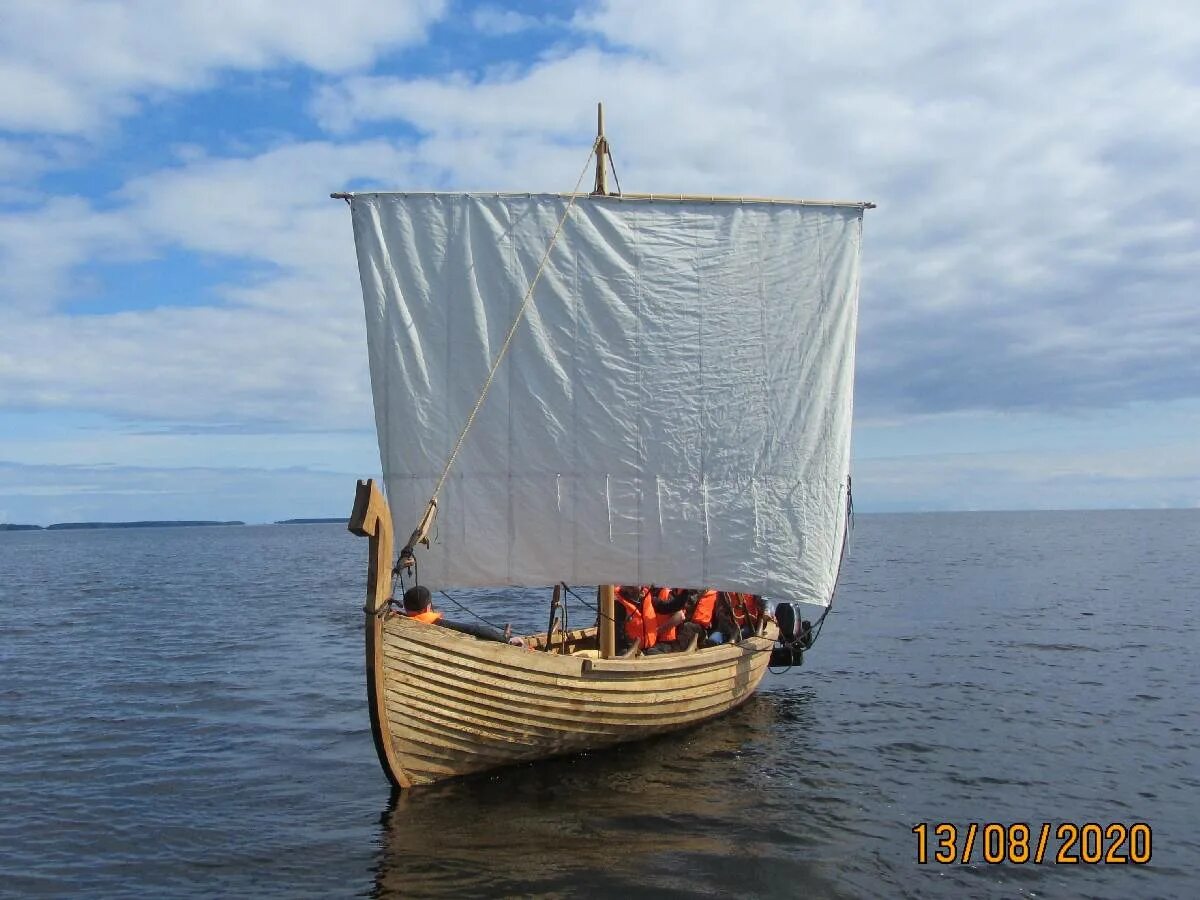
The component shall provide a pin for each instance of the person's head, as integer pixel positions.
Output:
(417, 599)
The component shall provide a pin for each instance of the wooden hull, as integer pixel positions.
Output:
(446, 704)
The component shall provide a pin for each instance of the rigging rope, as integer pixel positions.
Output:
(585, 603)
(846, 529)
(471, 611)
(612, 164)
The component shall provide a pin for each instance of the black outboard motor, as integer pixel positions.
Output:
(795, 636)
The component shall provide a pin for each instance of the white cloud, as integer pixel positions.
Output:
(70, 67)
(45, 439)
(1113, 479)
(1036, 240)
(40, 249)
(287, 348)
(42, 495)
(273, 207)
(300, 369)
(1036, 244)
(1023, 253)
(497, 22)
(23, 161)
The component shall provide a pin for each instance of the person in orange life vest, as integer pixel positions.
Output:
(646, 615)
(702, 611)
(669, 608)
(418, 604)
(636, 617)
(688, 635)
(674, 632)
(737, 615)
(694, 617)
(623, 609)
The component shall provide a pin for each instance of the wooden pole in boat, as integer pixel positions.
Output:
(601, 188)
(608, 622)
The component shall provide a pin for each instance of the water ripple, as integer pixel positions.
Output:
(182, 714)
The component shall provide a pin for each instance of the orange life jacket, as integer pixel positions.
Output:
(429, 616)
(662, 595)
(703, 613)
(641, 620)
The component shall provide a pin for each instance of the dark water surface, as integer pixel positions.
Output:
(182, 714)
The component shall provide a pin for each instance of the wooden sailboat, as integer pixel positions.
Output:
(609, 452)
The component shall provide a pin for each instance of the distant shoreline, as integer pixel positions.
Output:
(160, 523)
(82, 526)
(341, 520)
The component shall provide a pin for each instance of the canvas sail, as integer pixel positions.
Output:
(674, 409)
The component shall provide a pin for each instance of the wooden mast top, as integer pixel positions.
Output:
(601, 188)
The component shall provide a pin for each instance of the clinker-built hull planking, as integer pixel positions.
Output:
(445, 704)
(449, 704)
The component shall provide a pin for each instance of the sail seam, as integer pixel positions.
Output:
(823, 324)
(766, 450)
(700, 294)
(514, 260)
(574, 486)
(608, 504)
(448, 381)
(511, 332)
(637, 366)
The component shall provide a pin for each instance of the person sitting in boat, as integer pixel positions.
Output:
(675, 633)
(701, 607)
(737, 616)
(690, 616)
(670, 609)
(418, 604)
(646, 617)
(634, 627)
(621, 613)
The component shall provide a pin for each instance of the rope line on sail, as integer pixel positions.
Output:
(487, 384)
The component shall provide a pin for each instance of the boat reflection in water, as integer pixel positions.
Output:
(717, 809)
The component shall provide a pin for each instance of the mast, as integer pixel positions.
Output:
(601, 188)
(607, 636)
(608, 622)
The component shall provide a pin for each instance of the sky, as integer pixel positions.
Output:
(181, 326)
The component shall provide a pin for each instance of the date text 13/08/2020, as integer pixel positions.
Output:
(1067, 842)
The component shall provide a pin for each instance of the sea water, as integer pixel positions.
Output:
(182, 714)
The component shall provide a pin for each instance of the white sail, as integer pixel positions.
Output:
(674, 409)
